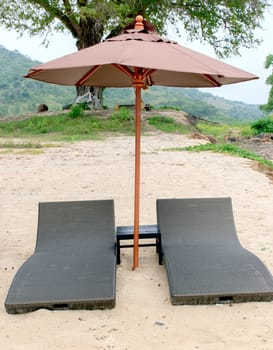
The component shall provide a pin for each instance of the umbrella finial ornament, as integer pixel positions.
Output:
(139, 25)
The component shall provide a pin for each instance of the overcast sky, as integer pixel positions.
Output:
(251, 60)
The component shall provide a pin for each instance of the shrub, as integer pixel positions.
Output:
(122, 115)
(263, 125)
(175, 108)
(76, 111)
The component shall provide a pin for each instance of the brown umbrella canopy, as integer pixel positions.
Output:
(138, 58)
(112, 62)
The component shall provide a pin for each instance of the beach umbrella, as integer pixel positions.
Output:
(138, 58)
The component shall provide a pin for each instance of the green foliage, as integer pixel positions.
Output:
(263, 125)
(226, 25)
(122, 115)
(268, 61)
(65, 127)
(21, 145)
(174, 108)
(168, 124)
(245, 130)
(121, 121)
(192, 101)
(218, 131)
(76, 111)
(221, 131)
(33, 126)
(268, 107)
(226, 148)
(19, 95)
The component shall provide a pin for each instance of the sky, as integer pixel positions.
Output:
(251, 60)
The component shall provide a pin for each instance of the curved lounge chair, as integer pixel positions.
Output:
(74, 262)
(204, 259)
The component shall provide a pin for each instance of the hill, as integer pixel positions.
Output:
(19, 95)
(192, 101)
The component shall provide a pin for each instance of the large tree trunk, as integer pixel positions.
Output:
(90, 33)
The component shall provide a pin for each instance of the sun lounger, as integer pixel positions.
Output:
(74, 263)
(204, 259)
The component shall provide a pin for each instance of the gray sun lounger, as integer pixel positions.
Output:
(74, 262)
(204, 259)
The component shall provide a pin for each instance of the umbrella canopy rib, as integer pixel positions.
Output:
(148, 76)
(123, 69)
(32, 73)
(212, 80)
(87, 75)
(146, 73)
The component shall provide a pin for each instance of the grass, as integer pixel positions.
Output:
(218, 131)
(23, 145)
(169, 125)
(221, 131)
(226, 148)
(76, 126)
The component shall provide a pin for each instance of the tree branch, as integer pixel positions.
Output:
(81, 3)
(65, 18)
(67, 6)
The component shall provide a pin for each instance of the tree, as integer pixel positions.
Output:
(269, 106)
(226, 25)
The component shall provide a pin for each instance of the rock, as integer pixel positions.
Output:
(148, 107)
(42, 108)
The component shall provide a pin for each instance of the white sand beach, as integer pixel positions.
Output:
(143, 317)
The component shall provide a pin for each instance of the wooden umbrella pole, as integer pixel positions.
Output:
(137, 175)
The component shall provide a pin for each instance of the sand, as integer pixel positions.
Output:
(143, 317)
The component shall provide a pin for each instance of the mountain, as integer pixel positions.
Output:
(192, 101)
(19, 95)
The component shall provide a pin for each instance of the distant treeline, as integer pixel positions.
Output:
(19, 95)
(192, 101)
